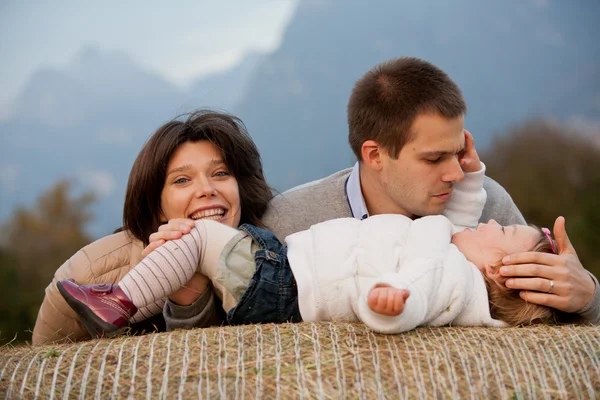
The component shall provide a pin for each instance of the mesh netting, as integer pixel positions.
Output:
(325, 360)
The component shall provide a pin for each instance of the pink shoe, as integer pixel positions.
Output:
(104, 309)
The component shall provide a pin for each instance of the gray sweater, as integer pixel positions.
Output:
(300, 207)
(303, 206)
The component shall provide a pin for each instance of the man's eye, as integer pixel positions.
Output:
(434, 160)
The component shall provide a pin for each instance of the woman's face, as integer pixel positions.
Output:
(198, 185)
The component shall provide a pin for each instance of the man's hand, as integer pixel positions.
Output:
(174, 229)
(469, 159)
(536, 274)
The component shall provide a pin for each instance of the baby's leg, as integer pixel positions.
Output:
(387, 300)
(149, 311)
(172, 265)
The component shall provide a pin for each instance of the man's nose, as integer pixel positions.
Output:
(454, 172)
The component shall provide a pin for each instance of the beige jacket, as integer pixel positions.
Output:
(106, 260)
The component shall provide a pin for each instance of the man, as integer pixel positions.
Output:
(406, 128)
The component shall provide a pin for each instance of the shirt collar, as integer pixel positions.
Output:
(355, 196)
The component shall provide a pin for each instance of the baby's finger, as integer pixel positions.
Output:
(469, 142)
(152, 246)
(177, 224)
(165, 235)
(465, 163)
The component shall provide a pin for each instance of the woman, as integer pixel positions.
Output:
(204, 167)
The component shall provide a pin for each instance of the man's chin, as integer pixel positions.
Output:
(434, 209)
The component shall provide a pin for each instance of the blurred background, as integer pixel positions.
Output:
(84, 84)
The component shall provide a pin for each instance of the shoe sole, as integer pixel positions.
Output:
(89, 320)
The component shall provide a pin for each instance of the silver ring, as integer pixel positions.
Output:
(551, 286)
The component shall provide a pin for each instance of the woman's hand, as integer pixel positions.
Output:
(469, 159)
(174, 229)
(557, 281)
(191, 291)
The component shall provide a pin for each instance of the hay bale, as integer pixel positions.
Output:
(324, 360)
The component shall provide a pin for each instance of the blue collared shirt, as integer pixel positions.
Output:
(355, 196)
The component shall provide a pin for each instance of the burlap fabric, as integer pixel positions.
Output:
(324, 360)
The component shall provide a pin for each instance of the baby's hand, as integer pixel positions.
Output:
(469, 159)
(387, 300)
(174, 229)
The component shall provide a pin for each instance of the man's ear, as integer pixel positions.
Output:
(371, 154)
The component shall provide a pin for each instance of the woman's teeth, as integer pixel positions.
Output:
(214, 214)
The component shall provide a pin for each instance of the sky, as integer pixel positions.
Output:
(180, 40)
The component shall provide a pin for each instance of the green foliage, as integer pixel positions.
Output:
(551, 170)
(38, 240)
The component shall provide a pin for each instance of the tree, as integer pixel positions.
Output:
(38, 240)
(550, 170)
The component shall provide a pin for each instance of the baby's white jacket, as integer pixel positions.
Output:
(337, 263)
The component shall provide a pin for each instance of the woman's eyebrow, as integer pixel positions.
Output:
(180, 169)
(216, 162)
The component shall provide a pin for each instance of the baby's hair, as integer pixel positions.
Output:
(506, 304)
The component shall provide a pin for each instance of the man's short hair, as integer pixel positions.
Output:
(386, 100)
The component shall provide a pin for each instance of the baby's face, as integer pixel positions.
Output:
(489, 242)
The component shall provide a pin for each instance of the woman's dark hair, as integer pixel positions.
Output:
(142, 209)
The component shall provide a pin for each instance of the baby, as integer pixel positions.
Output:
(389, 271)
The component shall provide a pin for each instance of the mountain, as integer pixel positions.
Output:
(89, 120)
(512, 59)
(225, 89)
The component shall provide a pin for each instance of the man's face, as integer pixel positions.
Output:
(420, 181)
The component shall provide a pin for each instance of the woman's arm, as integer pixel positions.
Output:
(204, 311)
(56, 321)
